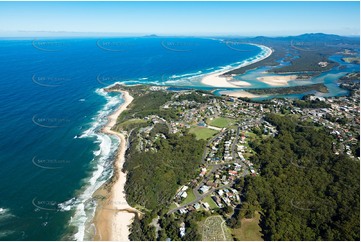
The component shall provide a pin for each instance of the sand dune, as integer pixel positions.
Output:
(277, 80)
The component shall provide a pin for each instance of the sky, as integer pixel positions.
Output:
(181, 18)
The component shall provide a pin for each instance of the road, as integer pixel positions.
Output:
(215, 167)
(205, 152)
(234, 144)
(200, 197)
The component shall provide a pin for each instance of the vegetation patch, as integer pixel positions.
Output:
(300, 169)
(131, 123)
(202, 132)
(221, 122)
(249, 230)
(210, 202)
(290, 90)
(190, 197)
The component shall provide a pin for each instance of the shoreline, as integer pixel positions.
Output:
(240, 93)
(113, 214)
(218, 79)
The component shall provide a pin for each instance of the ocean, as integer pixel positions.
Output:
(52, 155)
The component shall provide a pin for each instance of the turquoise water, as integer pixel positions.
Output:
(329, 78)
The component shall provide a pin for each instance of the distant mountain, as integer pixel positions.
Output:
(151, 36)
(314, 37)
(308, 37)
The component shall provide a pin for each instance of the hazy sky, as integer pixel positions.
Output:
(183, 18)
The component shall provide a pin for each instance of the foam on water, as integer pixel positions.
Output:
(187, 74)
(5, 215)
(83, 204)
(190, 79)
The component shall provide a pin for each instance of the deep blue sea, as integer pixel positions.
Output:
(52, 156)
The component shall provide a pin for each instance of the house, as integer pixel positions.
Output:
(206, 205)
(197, 206)
(184, 188)
(232, 173)
(184, 194)
(218, 202)
(202, 124)
(182, 211)
(322, 63)
(204, 189)
(182, 230)
(211, 184)
(203, 171)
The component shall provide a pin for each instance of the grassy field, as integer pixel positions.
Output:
(202, 132)
(215, 229)
(249, 230)
(172, 206)
(129, 122)
(221, 122)
(190, 197)
(210, 201)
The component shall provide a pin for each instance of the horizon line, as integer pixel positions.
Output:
(120, 34)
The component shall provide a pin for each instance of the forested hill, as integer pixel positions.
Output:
(304, 191)
(303, 51)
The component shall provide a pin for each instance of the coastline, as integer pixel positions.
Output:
(218, 79)
(113, 214)
(239, 93)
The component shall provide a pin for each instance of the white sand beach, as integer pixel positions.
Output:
(240, 83)
(114, 215)
(217, 79)
(277, 80)
(239, 93)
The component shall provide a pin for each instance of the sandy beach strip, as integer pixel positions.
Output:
(114, 215)
(277, 80)
(217, 79)
(239, 83)
(239, 93)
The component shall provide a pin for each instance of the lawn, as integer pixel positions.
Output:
(210, 201)
(221, 122)
(250, 230)
(172, 206)
(190, 197)
(202, 132)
